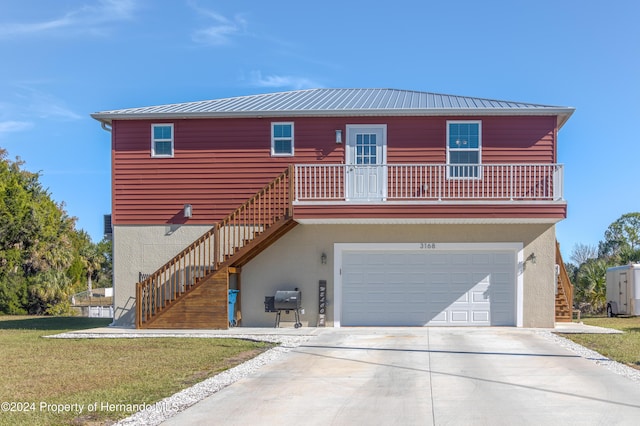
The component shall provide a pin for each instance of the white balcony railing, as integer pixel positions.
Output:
(428, 182)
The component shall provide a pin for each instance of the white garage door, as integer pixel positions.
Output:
(417, 288)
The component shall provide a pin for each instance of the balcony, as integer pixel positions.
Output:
(428, 183)
(428, 193)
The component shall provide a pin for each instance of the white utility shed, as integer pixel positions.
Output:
(623, 290)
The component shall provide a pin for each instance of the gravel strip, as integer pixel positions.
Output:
(594, 356)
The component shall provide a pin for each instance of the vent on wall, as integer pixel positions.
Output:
(108, 230)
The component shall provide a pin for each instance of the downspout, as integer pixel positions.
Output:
(107, 127)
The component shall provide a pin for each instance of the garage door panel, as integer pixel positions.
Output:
(481, 259)
(458, 259)
(464, 298)
(459, 317)
(460, 278)
(503, 258)
(438, 259)
(428, 288)
(438, 318)
(479, 297)
(396, 259)
(376, 259)
(437, 278)
(440, 297)
(482, 277)
(415, 259)
(498, 296)
(481, 317)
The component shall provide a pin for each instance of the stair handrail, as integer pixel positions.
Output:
(565, 281)
(266, 207)
(215, 247)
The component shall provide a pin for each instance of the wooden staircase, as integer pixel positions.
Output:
(564, 292)
(191, 290)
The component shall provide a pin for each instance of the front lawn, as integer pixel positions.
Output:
(96, 381)
(624, 348)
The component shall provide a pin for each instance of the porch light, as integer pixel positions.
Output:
(323, 258)
(532, 258)
(188, 210)
(338, 136)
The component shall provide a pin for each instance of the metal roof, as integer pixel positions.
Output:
(336, 102)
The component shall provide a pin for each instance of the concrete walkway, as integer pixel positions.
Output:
(424, 376)
(125, 332)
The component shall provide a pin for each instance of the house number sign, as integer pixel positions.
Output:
(322, 303)
(427, 246)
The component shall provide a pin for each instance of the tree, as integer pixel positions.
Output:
(622, 240)
(582, 253)
(92, 261)
(40, 249)
(104, 275)
(591, 284)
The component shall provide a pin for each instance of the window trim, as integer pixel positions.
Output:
(154, 140)
(274, 139)
(478, 150)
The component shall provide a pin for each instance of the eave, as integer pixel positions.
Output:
(563, 114)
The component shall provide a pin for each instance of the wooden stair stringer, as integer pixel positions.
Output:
(199, 307)
(262, 242)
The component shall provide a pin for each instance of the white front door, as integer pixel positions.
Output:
(366, 177)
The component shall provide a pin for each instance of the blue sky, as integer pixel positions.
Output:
(64, 59)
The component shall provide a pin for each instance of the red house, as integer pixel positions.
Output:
(382, 207)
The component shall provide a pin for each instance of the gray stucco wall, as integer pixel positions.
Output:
(143, 249)
(295, 261)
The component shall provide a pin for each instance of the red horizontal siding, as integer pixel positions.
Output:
(219, 163)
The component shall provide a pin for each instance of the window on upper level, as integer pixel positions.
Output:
(464, 149)
(282, 139)
(162, 140)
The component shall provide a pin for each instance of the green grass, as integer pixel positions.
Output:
(624, 348)
(45, 372)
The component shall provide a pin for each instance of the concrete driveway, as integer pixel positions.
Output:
(424, 376)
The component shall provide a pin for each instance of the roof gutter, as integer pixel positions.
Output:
(106, 126)
(563, 114)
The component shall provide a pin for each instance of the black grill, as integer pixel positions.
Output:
(287, 301)
(270, 304)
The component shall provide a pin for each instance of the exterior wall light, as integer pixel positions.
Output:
(532, 258)
(323, 258)
(338, 136)
(188, 210)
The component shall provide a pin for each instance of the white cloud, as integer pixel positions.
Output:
(284, 81)
(84, 20)
(44, 105)
(56, 111)
(222, 29)
(14, 126)
(30, 105)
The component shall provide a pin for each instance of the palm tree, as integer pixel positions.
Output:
(592, 284)
(92, 260)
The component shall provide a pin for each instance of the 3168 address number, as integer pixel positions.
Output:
(427, 246)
